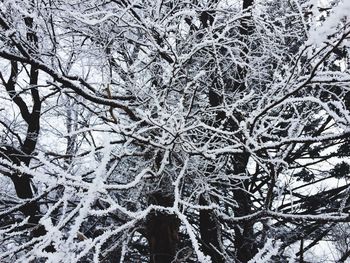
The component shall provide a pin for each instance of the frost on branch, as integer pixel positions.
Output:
(174, 131)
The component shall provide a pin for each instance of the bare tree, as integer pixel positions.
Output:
(173, 131)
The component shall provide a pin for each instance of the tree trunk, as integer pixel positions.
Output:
(162, 230)
(210, 233)
(245, 242)
(22, 182)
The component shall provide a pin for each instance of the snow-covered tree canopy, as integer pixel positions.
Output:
(174, 131)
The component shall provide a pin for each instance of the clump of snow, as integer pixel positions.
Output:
(318, 34)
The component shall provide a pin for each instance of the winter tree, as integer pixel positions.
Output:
(174, 131)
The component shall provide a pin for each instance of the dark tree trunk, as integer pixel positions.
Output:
(162, 230)
(23, 190)
(210, 233)
(245, 242)
(22, 182)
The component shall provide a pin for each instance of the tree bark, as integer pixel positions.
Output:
(245, 242)
(162, 230)
(22, 182)
(210, 233)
